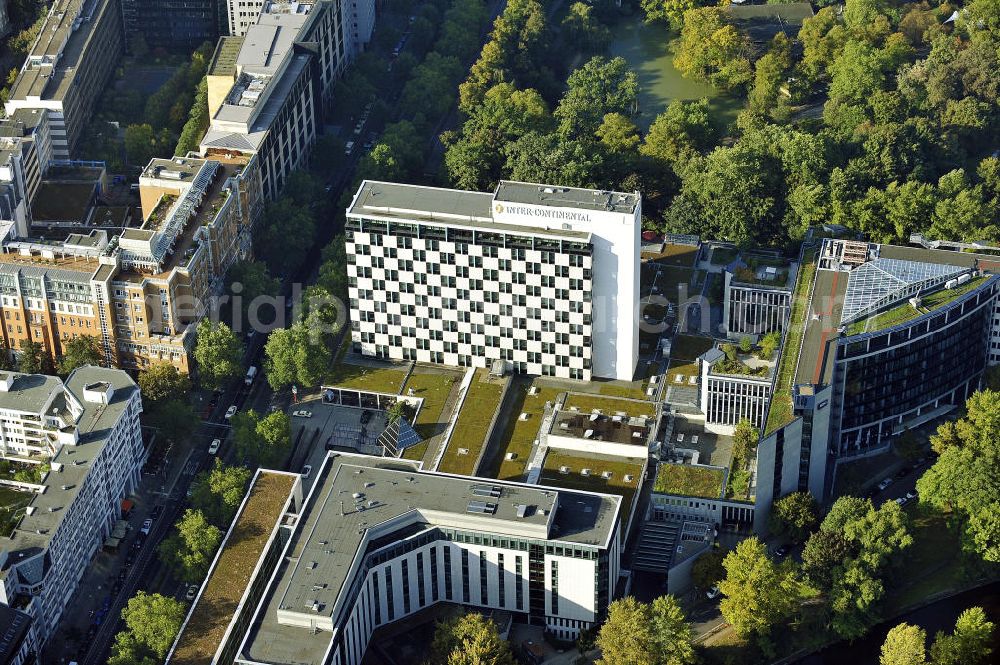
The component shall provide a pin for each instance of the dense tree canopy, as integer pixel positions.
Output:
(80, 351)
(218, 492)
(188, 551)
(219, 354)
(637, 633)
(163, 381)
(470, 639)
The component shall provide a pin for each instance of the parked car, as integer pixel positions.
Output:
(782, 550)
(192, 591)
(713, 593)
(911, 495)
(302, 413)
(146, 526)
(306, 470)
(157, 511)
(885, 483)
(213, 448)
(230, 412)
(349, 148)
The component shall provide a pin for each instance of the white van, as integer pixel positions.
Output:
(251, 375)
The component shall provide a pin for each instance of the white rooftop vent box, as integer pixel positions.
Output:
(98, 392)
(463, 451)
(533, 390)
(588, 434)
(510, 457)
(628, 477)
(585, 473)
(523, 416)
(606, 475)
(564, 470)
(6, 382)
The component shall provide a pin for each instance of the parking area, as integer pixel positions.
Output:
(332, 427)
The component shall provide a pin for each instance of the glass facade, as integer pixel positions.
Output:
(884, 378)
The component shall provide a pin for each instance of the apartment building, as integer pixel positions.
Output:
(92, 440)
(17, 645)
(76, 53)
(25, 152)
(544, 279)
(141, 293)
(376, 541)
(170, 23)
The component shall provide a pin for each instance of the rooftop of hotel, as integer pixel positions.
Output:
(566, 197)
(224, 59)
(436, 205)
(71, 463)
(615, 427)
(54, 58)
(36, 264)
(355, 496)
(762, 270)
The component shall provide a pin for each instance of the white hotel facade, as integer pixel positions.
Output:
(544, 278)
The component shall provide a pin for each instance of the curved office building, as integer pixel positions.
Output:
(884, 379)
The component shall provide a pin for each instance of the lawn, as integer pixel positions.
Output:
(932, 561)
(905, 312)
(690, 480)
(481, 402)
(634, 391)
(682, 256)
(609, 405)
(376, 379)
(572, 479)
(433, 386)
(519, 435)
(780, 411)
(229, 578)
(684, 352)
(12, 504)
(723, 256)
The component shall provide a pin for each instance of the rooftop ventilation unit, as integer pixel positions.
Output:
(493, 491)
(481, 508)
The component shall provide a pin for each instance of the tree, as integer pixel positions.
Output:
(713, 50)
(795, 516)
(618, 133)
(197, 122)
(289, 229)
(759, 594)
(251, 280)
(189, 550)
(908, 446)
(684, 129)
(746, 344)
(141, 144)
(162, 381)
(297, 355)
(550, 159)
(824, 551)
(969, 644)
(217, 493)
(769, 343)
(671, 633)
(669, 11)
(745, 439)
(707, 570)
(964, 480)
(80, 351)
(154, 621)
(127, 650)
(261, 441)
(585, 29)
(904, 645)
(626, 638)
(219, 354)
(175, 419)
(34, 359)
(599, 87)
(470, 639)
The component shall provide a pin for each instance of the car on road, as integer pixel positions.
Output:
(157, 511)
(902, 473)
(713, 593)
(213, 447)
(192, 591)
(302, 413)
(901, 500)
(349, 148)
(146, 526)
(306, 470)
(885, 483)
(230, 412)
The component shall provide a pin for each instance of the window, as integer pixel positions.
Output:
(555, 587)
(500, 578)
(483, 583)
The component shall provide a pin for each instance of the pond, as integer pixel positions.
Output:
(649, 50)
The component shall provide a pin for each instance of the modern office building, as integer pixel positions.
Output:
(891, 338)
(75, 54)
(545, 279)
(757, 296)
(732, 391)
(355, 19)
(25, 153)
(175, 24)
(141, 293)
(88, 431)
(376, 541)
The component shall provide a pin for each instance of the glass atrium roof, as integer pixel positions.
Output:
(879, 283)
